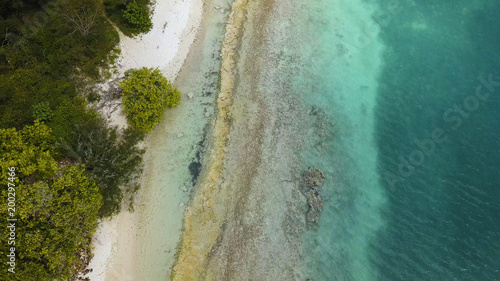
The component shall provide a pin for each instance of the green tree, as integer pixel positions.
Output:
(112, 159)
(56, 208)
(146, 94)
(67, 114)
(138, 16)
(29, 151)
(57, 219)
(22, 89)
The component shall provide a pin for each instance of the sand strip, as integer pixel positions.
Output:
(175, 24)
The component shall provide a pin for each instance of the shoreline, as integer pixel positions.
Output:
(116, 241)
(203, 209)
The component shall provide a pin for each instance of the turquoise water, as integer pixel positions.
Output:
(348, 62)
(442, 217)
(405, 124)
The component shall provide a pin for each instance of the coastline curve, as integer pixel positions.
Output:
(204, 217)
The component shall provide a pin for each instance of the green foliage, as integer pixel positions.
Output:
(23, 88)
(113, 161)
(56, 208)
(43, 64)
(58, 188)
(138, 16)
(131, 18)
(66, 115)
(42, 112)
(29, 150)
(93, 97)
(65, 45)
(146, 94)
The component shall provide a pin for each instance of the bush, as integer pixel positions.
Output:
(42, 112)
(115, 10)
(42, 67)
(146, 94)
(138, 16)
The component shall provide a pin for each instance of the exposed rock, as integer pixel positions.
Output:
(195, 169)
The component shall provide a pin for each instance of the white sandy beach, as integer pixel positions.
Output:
(166, 46)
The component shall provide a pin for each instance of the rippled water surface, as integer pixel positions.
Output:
(438, 133)
(405, 124)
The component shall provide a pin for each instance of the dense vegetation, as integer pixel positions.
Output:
(146, 94)
(71, 168)
(42, 64)
(132, 17)
(56, 206)
(111, 159)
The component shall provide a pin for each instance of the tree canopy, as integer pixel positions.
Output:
(29, 150)
(131, 17)
(70, 166)
(56, 207)
(138, 16)
(111, 159)
(146, 94)
(41, 62)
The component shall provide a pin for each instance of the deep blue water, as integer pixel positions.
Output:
(411, 145)
(443, 211)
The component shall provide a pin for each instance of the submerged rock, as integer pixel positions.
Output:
(315, 202)
(312, 179)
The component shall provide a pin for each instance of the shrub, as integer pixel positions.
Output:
(146, 94)
(115, 11)
(138, 16)
(42, 112)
